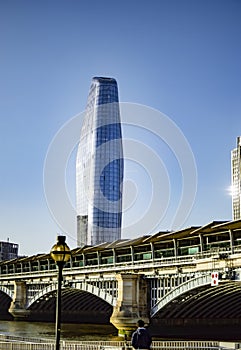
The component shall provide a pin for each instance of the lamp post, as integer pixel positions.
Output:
(60, 253)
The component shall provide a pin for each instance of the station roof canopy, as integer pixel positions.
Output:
(210, 228)
(171, 235)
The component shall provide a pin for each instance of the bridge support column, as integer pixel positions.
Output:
(131, 303)
(18, 305)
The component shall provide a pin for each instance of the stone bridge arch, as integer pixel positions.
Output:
(79, 285)
(181, 289)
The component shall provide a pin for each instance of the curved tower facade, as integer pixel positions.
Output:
(99, 166)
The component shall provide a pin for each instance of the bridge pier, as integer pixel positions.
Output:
(18, 305)
(131, 303)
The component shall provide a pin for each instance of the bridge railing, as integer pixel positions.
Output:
(101, 345)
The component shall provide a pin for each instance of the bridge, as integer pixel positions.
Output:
(165, 278)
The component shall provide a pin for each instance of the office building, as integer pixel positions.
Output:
(8, 250)
(236, 180)
(99, 166)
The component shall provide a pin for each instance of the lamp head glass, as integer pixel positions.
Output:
(60, 252)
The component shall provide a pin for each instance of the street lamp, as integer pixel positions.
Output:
(60, 253)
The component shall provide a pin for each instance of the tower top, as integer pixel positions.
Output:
(239, 141)
(104, 80)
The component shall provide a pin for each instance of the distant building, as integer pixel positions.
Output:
(8, 251)
(99, 166)
(236, 180)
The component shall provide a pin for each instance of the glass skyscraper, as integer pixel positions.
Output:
(99, 166)
(236, 180)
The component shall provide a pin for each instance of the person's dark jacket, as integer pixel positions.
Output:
(141, 339)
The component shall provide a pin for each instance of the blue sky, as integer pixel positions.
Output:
(180, 57)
